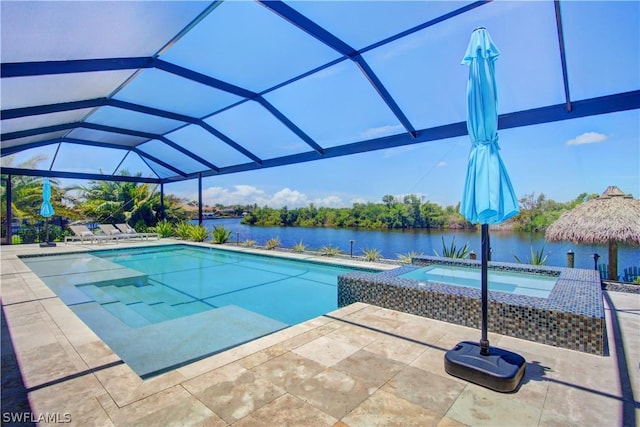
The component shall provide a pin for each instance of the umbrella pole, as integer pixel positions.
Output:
(494, 368)
(484, 340)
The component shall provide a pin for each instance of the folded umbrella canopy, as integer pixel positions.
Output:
(488, 198)
(46, 210)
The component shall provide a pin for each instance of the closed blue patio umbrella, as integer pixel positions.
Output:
(46, 210)
(488, 198)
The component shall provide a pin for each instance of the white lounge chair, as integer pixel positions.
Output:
(112, 232)
(129, 231)
(82, 234)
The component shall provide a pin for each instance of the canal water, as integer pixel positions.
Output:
(391, 243)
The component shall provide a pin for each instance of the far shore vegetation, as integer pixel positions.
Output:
(409, 212)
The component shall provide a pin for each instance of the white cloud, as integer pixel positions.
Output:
(249, 195)
(239, 195)
(442, 164)
(381, 131)
(247, 190)
(330, 201)
(289, 198)
(587, 138)
(390, 152)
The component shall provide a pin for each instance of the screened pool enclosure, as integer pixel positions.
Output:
(179, 90)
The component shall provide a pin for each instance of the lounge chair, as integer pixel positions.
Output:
(82, 233)
(112, 232)
(129, 231)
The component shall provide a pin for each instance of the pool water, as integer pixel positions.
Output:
(159, 308)
(512, 282)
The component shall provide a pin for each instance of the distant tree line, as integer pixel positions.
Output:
(536, 214)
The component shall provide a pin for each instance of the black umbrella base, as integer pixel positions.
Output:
(500, 370)
(47, 244)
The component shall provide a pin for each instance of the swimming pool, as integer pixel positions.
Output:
(513, 282)
(162, 307)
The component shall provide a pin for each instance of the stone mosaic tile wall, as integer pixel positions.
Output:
(571, 317)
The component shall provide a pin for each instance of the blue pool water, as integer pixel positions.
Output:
(162, 307)
(535, 285)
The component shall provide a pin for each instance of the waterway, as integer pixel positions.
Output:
(391, 243)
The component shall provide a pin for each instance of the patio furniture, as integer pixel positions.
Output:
(631, 274)
(82, 234)
(112, 232)
(129, 231)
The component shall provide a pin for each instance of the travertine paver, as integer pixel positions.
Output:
(385, 409)
(333, 392)
(233, 392)
(287, 410)
(359, 366)
(482, 407)
(426, 389)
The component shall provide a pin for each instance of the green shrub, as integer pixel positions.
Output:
(372, 254)
(198, 233)
(164, 229)
(221, 234)
(272, 243)
(408, 257)
(27, 234)
(249, 243)
(452, 251)
(182, 230)
(537, 257)
(299, 247)
(330, 250)
(140, 226)
(16, 239)
(55, 233)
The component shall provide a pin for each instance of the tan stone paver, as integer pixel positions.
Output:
(482, 407)
(233, 392)
(423, 388)
(287, 411)
(384, 409)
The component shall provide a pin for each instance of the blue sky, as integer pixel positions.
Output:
(247, 45)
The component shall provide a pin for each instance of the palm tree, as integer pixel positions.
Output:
(120, 201)
(26, 193)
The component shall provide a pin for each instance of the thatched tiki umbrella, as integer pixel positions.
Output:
(613, 218)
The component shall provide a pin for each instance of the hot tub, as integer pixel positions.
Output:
(571, 315)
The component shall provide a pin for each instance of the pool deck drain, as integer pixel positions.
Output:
(358, 366)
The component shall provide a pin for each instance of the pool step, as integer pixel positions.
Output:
(167, 310)
(97, 294)
(123, 294)
(139, 306)
(157, 293)
(126, 314)
(149, 312)
(192, 308)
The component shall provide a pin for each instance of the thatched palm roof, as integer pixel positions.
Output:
(614, 216)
